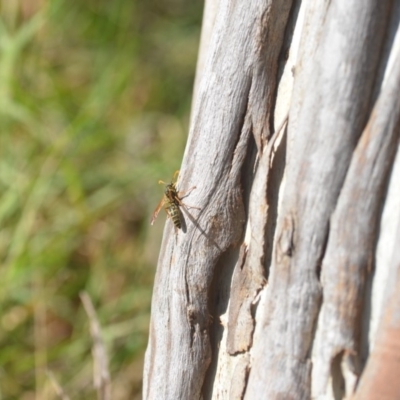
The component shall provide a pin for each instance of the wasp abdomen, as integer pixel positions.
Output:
(173, 212)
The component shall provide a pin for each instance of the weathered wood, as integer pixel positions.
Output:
(250, 274)
(234, 104)
(209, 16)
(353, 233)
(263, 292)
(381, 375)
(330, 121)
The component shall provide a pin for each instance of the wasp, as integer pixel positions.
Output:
(171, 201)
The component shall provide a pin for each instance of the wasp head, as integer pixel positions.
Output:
(170, 189)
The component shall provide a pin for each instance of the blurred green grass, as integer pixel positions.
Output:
(94, 106)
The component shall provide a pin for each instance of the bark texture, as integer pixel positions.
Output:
(381, 372)
(266, 293)
(232, 109)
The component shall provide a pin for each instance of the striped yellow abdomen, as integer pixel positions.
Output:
(173, 212)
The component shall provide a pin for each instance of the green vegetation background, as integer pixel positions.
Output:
(94, 107)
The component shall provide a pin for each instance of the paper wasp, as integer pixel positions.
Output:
(171, 201)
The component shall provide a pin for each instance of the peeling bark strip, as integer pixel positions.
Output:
(250, 274)
(235, 99)
(381, 375)
(352, 238)
(329, 122)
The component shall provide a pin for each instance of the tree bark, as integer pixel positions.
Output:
(268, 290)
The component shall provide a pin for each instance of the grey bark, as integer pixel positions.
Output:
(266, 293)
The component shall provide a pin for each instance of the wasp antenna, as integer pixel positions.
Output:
(161, 182)
(176, 173)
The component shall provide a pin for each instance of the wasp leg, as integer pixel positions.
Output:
(181, 203)
(186, 193)
(189, 206)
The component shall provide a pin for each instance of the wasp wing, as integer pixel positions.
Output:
(157, 210)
